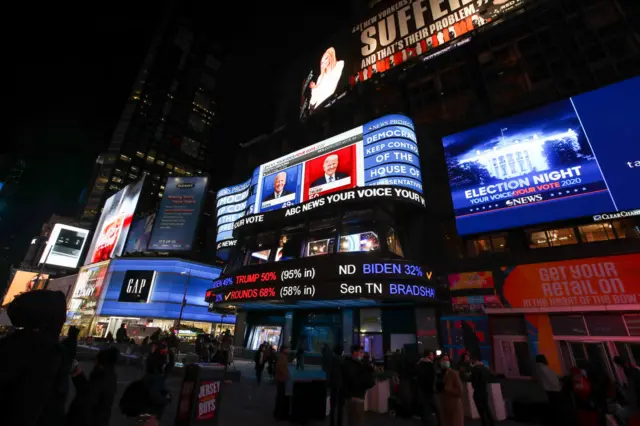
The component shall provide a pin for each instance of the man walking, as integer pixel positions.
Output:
(426, 372)
(357, 379)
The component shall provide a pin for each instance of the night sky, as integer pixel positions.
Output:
(74, 68)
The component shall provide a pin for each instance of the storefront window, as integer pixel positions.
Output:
(365, 241)
(259, 257)
(597, 232)
(626, 228)
(487, 244)
(538, 239)
(264, 333)
(562, 237)
(320, 247)
(393, 242)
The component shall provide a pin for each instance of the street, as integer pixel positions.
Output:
(243, 403)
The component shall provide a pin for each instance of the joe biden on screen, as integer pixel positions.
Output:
(278, 187)
(330, 166)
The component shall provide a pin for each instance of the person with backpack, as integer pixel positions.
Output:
(94, 395)
(147, 397)
(34, 365)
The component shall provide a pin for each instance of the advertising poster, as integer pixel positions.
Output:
(572, 158)
(22, 282)
(137, 286)
(471, 333)
(113, 227)
(179, 212)
(207, 398)
(470, 280)
(83, 304)
(64, 246)
(582, 282)
(139, 234)
(383, 152)
(398, 32)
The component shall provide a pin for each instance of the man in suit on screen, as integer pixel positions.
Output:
(330, 166)
(278, 187)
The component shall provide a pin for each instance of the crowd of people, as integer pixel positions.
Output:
(38, 368)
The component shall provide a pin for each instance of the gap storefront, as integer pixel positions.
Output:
(147, 293)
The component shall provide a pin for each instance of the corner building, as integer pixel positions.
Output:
(318, 248)
(524, 279)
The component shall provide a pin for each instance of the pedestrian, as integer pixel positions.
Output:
(451, 408)
(109, 338)
(157, 396)
(260, 359)
(550, 382)
(281, 410)
(426, 380)
(336, 393)
(480, 377)
(34, 365)
(300, 358)
(121, 334)
(94, 395)
(357, 379)
(632, 390)
(464, 366)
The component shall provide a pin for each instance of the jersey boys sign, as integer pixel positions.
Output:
(136, 286)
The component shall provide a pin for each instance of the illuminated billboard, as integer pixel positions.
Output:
(22, 282)
(382, 153)
(113, 227)
(139, 234)
(64, 246)
(569, 159)
(393, 34)
(178, 215)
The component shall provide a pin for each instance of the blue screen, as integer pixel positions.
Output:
(167, 291)
(568, 159)
(177, 219)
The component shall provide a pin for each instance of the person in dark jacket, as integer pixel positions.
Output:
(94, 396)
(334, 380)
(480, 378)
(71, 341)
(34, 365)
(357, 379)
(157, 396)
(121, 334)
(260, 359)
(426, 375)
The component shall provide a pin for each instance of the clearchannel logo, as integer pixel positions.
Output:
(523, 200)
(617, 215)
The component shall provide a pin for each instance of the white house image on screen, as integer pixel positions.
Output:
(509, 159)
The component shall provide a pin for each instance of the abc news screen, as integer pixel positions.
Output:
(573, 158)
(381, 152)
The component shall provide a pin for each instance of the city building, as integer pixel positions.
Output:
(166, 126)
(498, 95)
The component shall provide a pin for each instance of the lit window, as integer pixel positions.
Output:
(487, 244)
(259, 257)
(538, 239)
(626, 228)
(393, 242)
(169, 166)
(160, 194)
(140, 154)
(161, 186)
(160, 163)
(132, 176)
(320, 247)
(135, 169)
(596, 232)
(125, 158)
(553, 238)
(180, 171)
(150, 159)
(365, 241)
(117, 179)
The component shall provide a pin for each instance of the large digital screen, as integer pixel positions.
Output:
(395, 33)
(231, 205)
(22, 282)
(139, 234)
(64, 246)
(573, 158)
(383, 152)
(113, 227)
(179, 213)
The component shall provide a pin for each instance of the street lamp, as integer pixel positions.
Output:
(184, 299)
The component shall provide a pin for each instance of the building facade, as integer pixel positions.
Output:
(535, 57)
(166, 126)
